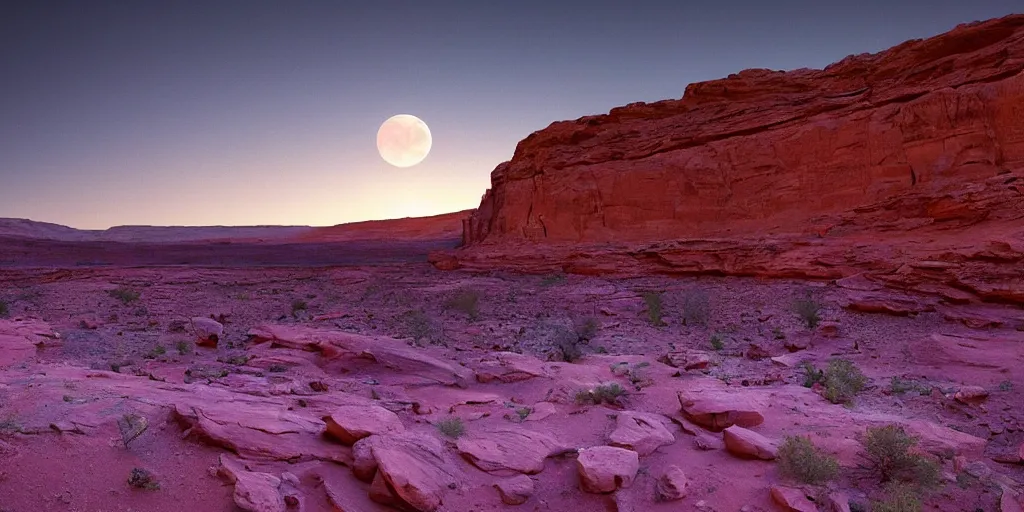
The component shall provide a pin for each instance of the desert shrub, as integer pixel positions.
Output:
(452, 427)
(418, 325)
(299, 305)
(800, 460)
(696, 308)
(156, 352)
(608, 393)
(523, 413)
(569, 348)
(717, 341)
(466, 301)
(654, 308)
(142, 479)
(843, 381)
(10, 425)
(587, 328)
(812, 375)
(125, 294)
(237, 360)
(888, 451)
(1004, 386)
(898, 498)
(5, 309)
(809, 310)
(778, 334)
(277, 368)
(183, 347)
(899, 386)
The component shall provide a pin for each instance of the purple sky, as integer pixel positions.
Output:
(255, 112)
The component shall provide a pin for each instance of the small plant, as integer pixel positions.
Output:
(277, 368)
(778, 334)
(696, 308)
(608, 393)
(887, 450)
(843, 381)
(237, 360)
(10, 426)
(898, 498)
(299, 305)
(899, 386)
(809, 310)
(654, 308)
(569, 348)
(156, 352)
(717, 341)
(800, 460)
(143, 479)
(523, 413)
(452, 427)
(587, 329)
(812, 375)
(374, 395)
(5, 309)
(183, 347)
(418, 325)
(465, 301)
(124, 294)
(1004, 386)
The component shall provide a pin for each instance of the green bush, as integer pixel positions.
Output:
(809, 310)
(654, 308)
(452, 427)
(587, 329)
(125, 294)
(888, 451)
(800, 460)
(717, 341)
(183, 347)
(142, 479)
(843, 381)
(299, 305)
(898, 498)
(812, 375)
(465, 301)
(418, 325)
(608, 393)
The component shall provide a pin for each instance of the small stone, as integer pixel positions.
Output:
(207, 331)
(604, 469)
(515, 490)
(672, 484)
(828, 329)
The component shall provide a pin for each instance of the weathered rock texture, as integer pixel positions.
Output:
(906, 164)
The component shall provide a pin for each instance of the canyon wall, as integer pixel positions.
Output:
(907, 163)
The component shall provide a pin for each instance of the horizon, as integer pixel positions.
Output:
(235, 114)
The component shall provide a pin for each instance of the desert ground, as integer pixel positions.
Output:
(108, 370)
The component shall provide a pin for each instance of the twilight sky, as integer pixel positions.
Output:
(256, 112)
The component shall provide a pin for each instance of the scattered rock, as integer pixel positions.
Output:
(515, 490)
(748, 444)
(792, 500)
(353, 422)
(604, 469)
(672, 484)
(207, 331)
(971, 394)
(641, 432)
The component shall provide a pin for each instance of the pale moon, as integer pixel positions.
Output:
(404, 140)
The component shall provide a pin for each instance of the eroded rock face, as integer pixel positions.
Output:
(779, 174)
(509, 449)
(353, 422)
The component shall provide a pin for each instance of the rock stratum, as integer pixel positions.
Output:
(905, 165)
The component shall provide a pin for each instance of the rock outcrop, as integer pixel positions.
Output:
(906, 166)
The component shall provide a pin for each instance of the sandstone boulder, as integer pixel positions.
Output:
(792, 500)
(414, 469)
(514, 449)
(641, 432)
(515, 490)
(748, 444)
(604, 469)
(353, 422)
(717, 411)
(672, 485)
(971, 394)
(208, 331)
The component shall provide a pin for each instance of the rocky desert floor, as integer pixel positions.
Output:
(398, 386)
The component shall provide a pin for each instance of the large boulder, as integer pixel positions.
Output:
(515, 490)
(604, 469)
(351, 423)
(414, 469)
(748, 444)
(718, 410)
(641, 432)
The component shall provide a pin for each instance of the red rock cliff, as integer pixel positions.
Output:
(873, 163)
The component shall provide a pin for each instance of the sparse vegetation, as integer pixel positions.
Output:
(277, 368)
(843, 381)
(10, 425)
(418, 325)
(899, 386)
(452, 427)
(1004, 386)
(812, 375)
(552, 279)
(654, 308)
(125, 294)
(183, 347)
(587, 329)
(143, 479)
(717, 341)
(696, 308)
(634, 372)
(156, 352)
(607, 393)
(889, 454)
(778, 334)
(523, 413)
(898, 498)
(809, 310)
(299, 305)
(5, 309)
(465, 301)
(800, 460)
(237, 360)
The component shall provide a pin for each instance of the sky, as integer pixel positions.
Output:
(253, 112)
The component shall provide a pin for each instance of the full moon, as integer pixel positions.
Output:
(403, 140)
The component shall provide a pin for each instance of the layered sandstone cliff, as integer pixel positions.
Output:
(907, 164)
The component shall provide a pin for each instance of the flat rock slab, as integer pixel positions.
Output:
(641, 432)
(748, 444)
(717, 410)
(353, 422)
(510, 449)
